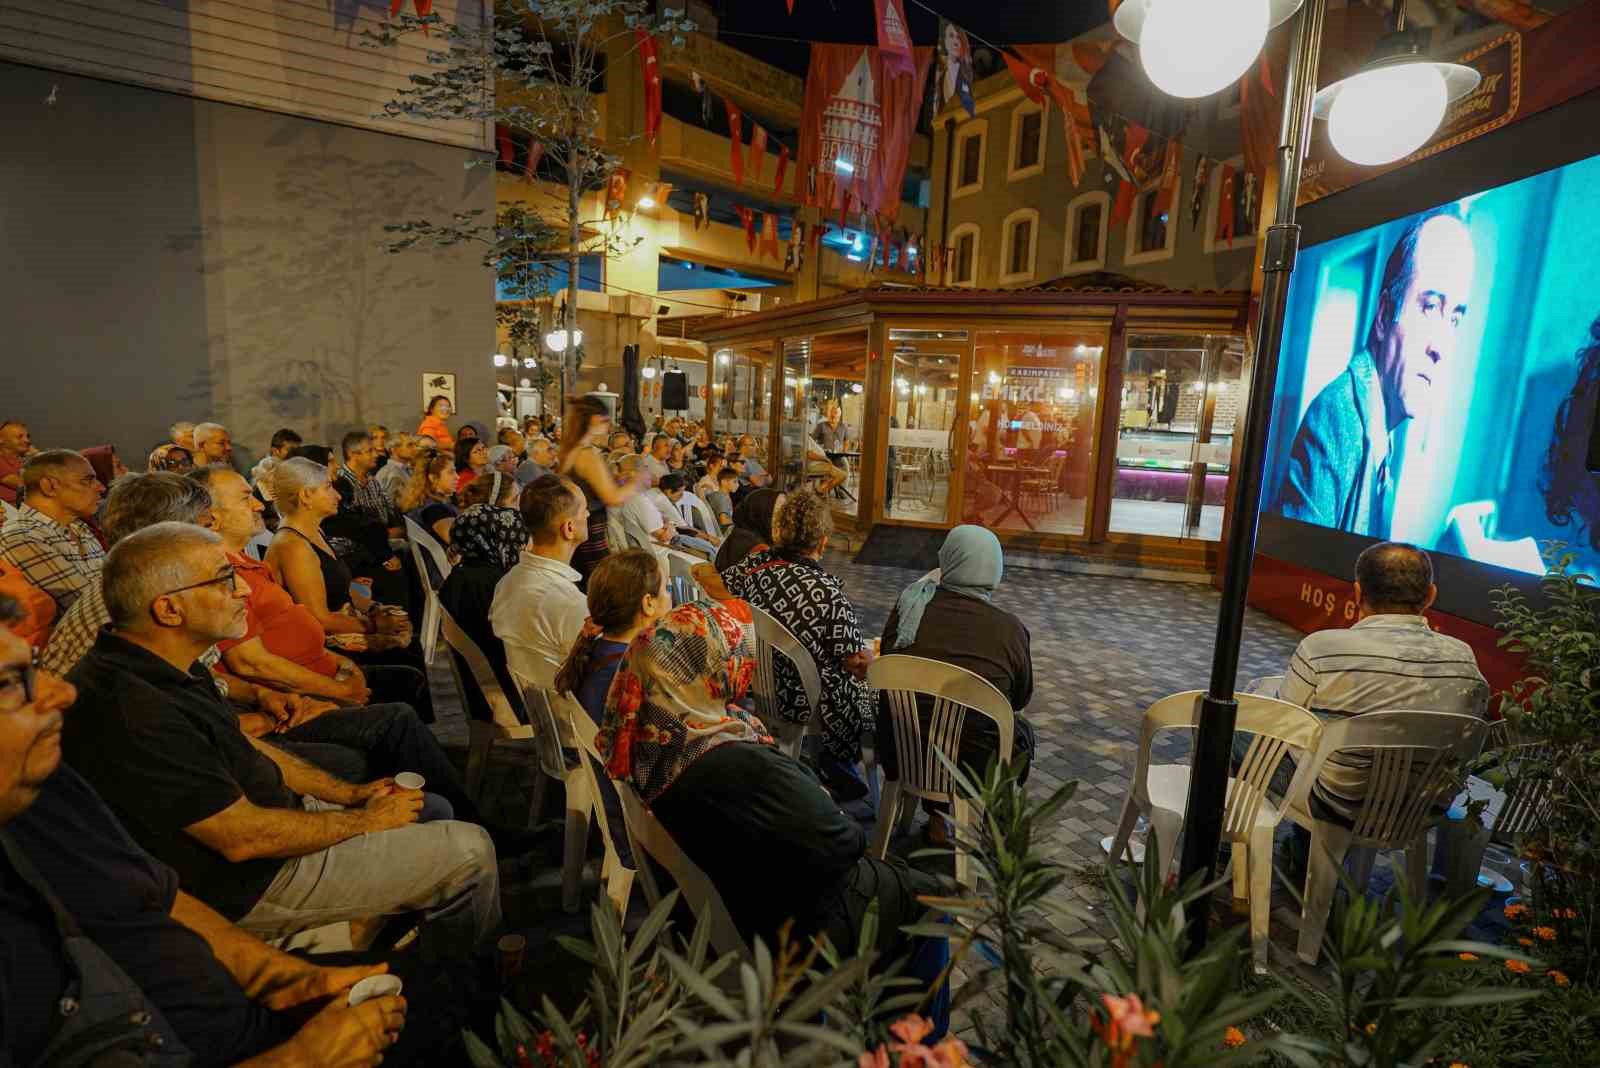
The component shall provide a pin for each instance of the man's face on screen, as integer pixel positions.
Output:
(1419, 341)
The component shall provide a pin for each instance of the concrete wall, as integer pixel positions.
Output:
(167, 258)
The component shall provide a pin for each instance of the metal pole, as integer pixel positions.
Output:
(1208, 781)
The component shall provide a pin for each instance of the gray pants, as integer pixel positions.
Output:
(446, 869)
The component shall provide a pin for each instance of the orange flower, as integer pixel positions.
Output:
(1566, 914)
(1130, 1015)
(1233, 1038)
(1372, 1028)
(1545, 934)
(1524, 941)
(878, 1058)
(1516, 912)
(1517, 967)
(1558, 977)
(951, 1053)
(1459, 1064)
(1467, 956)
(912, 1029)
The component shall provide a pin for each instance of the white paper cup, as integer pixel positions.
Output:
(409, 780)
(375, 986)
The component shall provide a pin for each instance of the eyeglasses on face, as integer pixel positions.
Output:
(19, 685)
(229, 575)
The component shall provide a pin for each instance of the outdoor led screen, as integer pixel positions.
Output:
(1439, 377)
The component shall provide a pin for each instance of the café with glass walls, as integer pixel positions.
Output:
(1097, 421)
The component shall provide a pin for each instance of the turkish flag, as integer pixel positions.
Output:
(747, 219)
(1123, 208)
(1065, 100)
(1033, 80)
(783, 165)
(758, 148)
(650, 67)
(736, 137)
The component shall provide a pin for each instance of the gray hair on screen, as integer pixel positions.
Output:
(147, 564)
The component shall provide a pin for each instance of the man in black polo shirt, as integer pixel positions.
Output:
(157, 743)
(200, 985)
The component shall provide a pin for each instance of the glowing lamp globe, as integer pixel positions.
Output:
(1386, 113)
(1194, 48)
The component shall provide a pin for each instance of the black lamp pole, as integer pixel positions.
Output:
(1208, 781)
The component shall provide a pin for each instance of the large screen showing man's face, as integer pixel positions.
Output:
(1440, 375)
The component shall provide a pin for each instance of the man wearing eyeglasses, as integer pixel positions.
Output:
(174, 976)
(49, 542)
(264, 838)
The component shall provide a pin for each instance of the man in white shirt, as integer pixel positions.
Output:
(538, 609)
(655, 461)
(640, 515)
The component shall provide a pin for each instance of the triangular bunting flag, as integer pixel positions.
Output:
(783, 165)
(736, 140)
(758, 149)
(769, 235)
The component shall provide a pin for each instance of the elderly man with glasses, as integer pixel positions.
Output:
(267, 840)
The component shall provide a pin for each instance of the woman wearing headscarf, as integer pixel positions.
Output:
(949, 616)
(752, 527)
(487, 538)
(752, 818)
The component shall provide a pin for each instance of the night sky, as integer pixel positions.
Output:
(1000, 21)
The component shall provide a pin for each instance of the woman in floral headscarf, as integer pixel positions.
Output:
(487, 537)
(755, 820)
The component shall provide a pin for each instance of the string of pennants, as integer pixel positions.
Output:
(1137, 159)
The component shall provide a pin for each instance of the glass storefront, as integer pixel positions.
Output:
(743, 392)
(924, 414)
(1180, 399)
(1030, 456)
(824, 373)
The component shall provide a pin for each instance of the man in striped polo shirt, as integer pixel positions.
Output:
(1390, 660)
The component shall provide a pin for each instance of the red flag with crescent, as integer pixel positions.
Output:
(650, 68)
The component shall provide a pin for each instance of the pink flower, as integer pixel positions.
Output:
(912, 1029)
(1130, 1016)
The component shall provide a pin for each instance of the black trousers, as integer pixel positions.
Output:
(390, 739)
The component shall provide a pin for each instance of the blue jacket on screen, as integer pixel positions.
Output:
(1334, 463)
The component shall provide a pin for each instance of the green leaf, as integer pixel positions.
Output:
(700, 987)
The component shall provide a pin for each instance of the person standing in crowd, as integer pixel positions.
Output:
(170, 972)
(15, 445)
(472, 457)
(538, 608)
(627, 594)
(540, 459)
(949, 616)
(587, 423)
(393, 476)
(789, 583)
(433, 423)
(213, 445)
(749, 816)
(429, 498)
(488, 539)
(267, 840)
(183, 436)
(49, 540)
(283, 440)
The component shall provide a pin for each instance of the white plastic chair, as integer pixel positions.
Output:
(1160, 792)
(432, 611)
(1413, 775)
(1511, 813)
(695, 885)
(681, 578)
(698, 514)
(955, 692)
(773, 638)
(615, 877)
(553, 764)
(504, 724)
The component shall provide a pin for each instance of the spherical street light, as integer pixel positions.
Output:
(1192, 49)
(556, 340)
(1389, 108)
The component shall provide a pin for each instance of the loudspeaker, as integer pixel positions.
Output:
(675, 391)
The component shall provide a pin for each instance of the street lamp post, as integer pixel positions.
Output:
(1208, 779)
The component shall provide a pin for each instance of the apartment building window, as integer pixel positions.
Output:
(1088, 221)
(1027, 143)
(1153, 226)
(971, 140)
(1021, 229)
(964, 266)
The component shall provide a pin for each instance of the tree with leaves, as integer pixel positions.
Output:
(532, 72)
